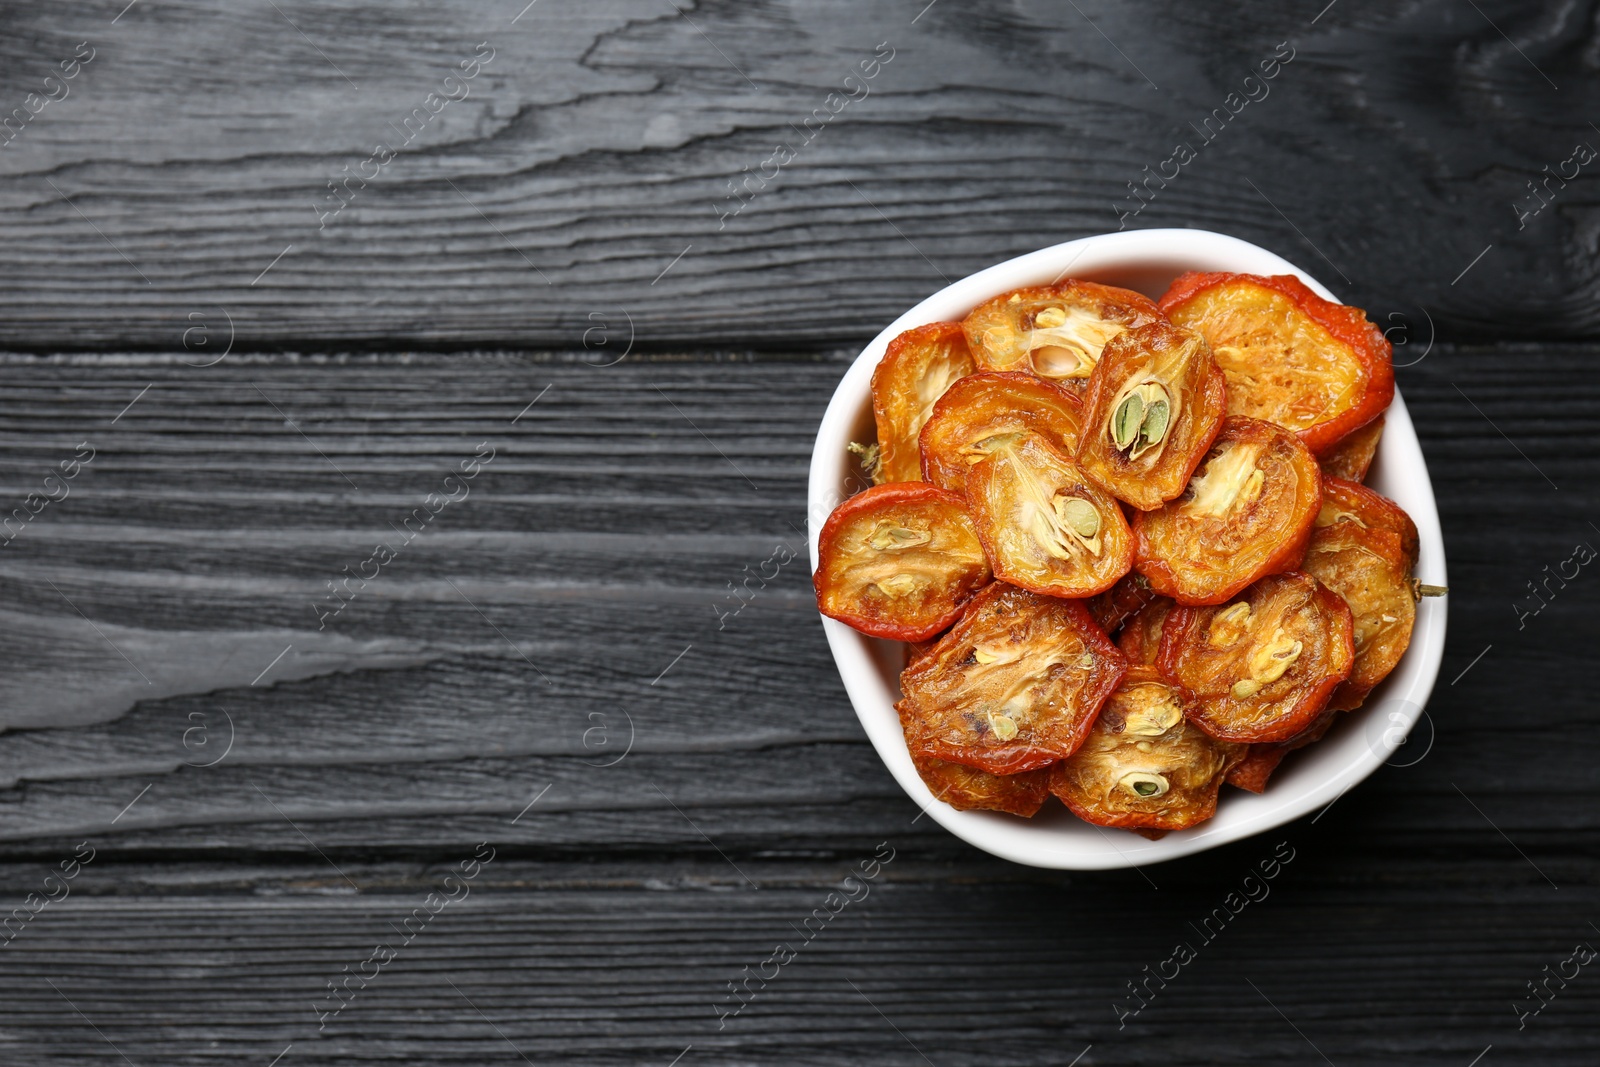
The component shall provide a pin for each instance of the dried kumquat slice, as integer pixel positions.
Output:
(1144, 764)
(1054, 331)
(899, 561)
(1014, 686)
(1352, 457)
(1246, 513)
(1315, 367)
(967, 788)
(1140, 639)
(987, 410)
(1346, 501)
(916, 369)
(1262, 667)
(1121, 602)
(1370, 567)
(1154, 403)
(1044, 524)
(1254, 770)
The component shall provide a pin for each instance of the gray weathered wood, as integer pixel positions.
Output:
(623, 902)
(165, 213)
(595, 547)
(599, 145)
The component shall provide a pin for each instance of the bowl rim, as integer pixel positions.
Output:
(1059, 841)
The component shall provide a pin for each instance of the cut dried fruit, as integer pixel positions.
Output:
(1352, 457)
(1318, 368)
(1252, 773)
(1013, 687)
(1261, 668)
(916, 369)
(987, 410)
(1370, 567)
(1045, 526)
(1246, 513)
(1344, 501)
(1121, 602)
(967, 788)
(915, 650)
(1054, 331)
(899, 561)
(1155, 402)
(1144, 764)
(1140, 639)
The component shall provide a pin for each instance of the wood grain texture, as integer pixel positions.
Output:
(629, 976)
(378, 752)
(552, 285)
(186, 170)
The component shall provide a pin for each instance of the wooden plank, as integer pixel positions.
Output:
(577, 598)
(585, 173)
(958, 971)
(377, 753)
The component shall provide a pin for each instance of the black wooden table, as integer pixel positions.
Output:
(547, 300)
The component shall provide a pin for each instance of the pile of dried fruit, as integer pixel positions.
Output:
(1073, 462)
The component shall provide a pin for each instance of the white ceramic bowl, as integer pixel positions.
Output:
(1146, 261)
